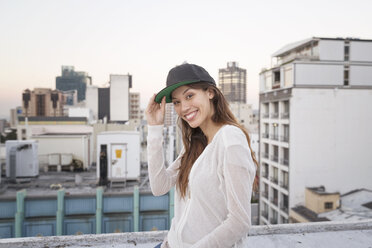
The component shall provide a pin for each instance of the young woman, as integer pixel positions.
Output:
(215, 171)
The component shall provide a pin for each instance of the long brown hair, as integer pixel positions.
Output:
(194, 140)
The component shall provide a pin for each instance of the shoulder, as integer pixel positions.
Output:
(232, 135)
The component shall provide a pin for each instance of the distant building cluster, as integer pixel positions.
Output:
(75, 96)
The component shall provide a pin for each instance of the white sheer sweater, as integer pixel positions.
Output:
(217, 209)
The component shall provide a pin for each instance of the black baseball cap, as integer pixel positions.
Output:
(182, 75)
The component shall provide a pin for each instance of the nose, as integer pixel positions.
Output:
(185, 107)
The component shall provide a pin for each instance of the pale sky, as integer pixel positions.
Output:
(147, 38)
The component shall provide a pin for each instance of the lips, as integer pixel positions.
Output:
(191, 116)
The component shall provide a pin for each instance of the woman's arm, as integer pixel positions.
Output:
(239, 171)
(161, 179)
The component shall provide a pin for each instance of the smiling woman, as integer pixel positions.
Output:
(215, 172)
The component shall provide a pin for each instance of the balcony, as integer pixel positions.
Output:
(265, 155)
(284, 207)
(284, 185)
(265, 135)
(284, 161)
(274, 137)
(274, 200)
(284, 115)
(265, 214)
(265, 115)
(276, 85)
(284, 221)
(274, 115)
(274, 158)
(274, 180)
(284, 138)
(265, 174)
(274, 220)
(265, 194)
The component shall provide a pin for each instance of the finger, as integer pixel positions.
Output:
(163, 104)
(151, 104)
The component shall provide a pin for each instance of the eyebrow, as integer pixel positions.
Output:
(183, 93)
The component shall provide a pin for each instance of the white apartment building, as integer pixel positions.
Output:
(315, 119)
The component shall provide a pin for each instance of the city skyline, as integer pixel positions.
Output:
(147, 38)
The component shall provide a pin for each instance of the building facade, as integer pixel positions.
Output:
(233, 83)
(42, 102)
(73, 80)
(315, 119)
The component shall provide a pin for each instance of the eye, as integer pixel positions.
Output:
(189, 96)
(175, 103)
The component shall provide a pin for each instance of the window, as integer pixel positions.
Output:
(346, 75)
(346, 50)
(328, 205)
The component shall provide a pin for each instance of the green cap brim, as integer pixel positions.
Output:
(167, 92)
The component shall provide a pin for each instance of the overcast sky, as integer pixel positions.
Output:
(147, 38)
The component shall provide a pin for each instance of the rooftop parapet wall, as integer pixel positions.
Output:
(325, 234)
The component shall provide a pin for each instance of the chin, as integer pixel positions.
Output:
(193, 124)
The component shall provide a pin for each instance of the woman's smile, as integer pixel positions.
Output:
(191, 116)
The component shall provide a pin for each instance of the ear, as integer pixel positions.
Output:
(210, 93)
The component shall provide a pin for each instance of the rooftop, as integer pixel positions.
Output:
(74, 183)
(322, 234)
(354, 207)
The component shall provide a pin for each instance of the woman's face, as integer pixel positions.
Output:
(193, 105)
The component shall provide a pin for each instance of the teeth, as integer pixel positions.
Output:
(191, 115)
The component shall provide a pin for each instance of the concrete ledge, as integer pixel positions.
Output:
(311, 227)
(133, 239)
(321, 234)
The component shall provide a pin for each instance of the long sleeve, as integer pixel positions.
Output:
(238, 172)
(161, 179)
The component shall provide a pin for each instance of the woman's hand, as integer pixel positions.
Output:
(155, 112)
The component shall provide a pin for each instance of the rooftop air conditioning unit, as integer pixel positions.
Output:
(22, 158)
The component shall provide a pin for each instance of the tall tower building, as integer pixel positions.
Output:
(315, 119)
(233, 83)
(73, 80)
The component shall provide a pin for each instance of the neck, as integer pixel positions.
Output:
(210, 129)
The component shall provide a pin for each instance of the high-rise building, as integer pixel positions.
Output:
(134, 106)
(315, 119)
(233, 82)
(170, 118)
(119, 97)
(42, 102)
(3, 125)
(73, 80)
